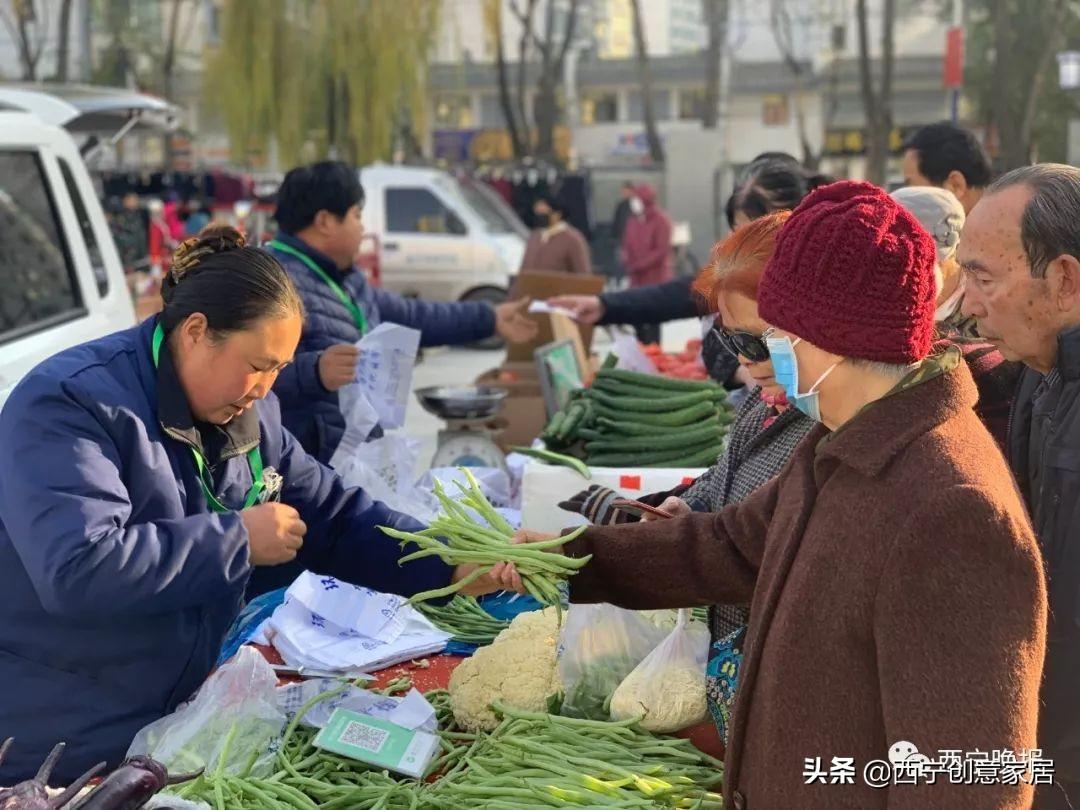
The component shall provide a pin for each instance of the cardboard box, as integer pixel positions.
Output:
(522, 415)
(544, 485)
(543, 284)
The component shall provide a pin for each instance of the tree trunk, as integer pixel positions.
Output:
(656, 146)
(546, 117)
(28, 53)
(523, 58)
(168, 69)
(502, 72)
(783, 35)
(63, 49)
(874, 104)
(716, 17)
(1055, 36)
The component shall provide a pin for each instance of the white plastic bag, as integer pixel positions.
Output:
(599, 646)
(668, 687)
(384, 469)
(236, 706)
(384, 370)
(360, 419)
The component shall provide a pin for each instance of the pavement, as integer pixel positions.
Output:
(460, 366)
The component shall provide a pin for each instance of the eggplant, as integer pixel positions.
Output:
(33, 794)
(131, 785)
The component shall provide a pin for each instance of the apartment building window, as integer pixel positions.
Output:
(774, 110)
(599, 107)
(661, 105)
(454, 112)
(691, 104)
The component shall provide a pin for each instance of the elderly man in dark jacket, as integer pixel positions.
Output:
(1021, 255)
(319, 212)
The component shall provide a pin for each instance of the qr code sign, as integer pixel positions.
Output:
(364, 736)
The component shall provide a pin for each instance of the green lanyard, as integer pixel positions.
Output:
(357, 314)
(254, 456)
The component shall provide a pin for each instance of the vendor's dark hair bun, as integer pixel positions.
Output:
(218, 274)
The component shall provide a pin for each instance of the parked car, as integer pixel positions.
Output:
(61, 281)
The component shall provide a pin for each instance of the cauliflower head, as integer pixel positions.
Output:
(517, 669)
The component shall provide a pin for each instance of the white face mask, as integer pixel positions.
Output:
(637, 206)
(947, 307)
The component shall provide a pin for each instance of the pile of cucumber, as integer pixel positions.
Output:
(627, 419)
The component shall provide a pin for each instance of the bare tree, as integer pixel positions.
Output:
(514, 126)
(641, 47)
(717, 13)
(27, 22)
(877, 102)
(1019, 71)
(552, 47)
(783, 31)
(63, 37)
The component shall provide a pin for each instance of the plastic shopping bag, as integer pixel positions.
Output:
(236, 708)
(384, 469)
(599, 646)
(384, 370)
(668, 687)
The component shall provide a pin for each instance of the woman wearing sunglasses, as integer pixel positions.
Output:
(763, 435)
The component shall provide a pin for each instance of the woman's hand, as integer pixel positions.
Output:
(275, 533)
(676, 507)
(503, 577)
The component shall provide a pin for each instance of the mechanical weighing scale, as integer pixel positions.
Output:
(468, 439)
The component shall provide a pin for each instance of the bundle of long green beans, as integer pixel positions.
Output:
(530, 761)
(465, 620)
(540, 760)
(456, 538)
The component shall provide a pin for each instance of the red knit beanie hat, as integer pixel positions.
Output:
(853, 274)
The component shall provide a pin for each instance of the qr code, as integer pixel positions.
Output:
(364, 736)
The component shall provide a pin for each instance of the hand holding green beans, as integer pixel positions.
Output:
(483, 551)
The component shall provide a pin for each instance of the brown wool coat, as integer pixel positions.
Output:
(897, 595)
(564, 251)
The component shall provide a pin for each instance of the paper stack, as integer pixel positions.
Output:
(331, 625)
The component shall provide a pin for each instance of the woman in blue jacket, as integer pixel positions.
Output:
(142, 477)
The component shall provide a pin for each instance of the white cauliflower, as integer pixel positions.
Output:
(517, 669)
(536, 624)
(671, 697)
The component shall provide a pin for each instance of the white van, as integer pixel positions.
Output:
(61, 281)
(440, 237)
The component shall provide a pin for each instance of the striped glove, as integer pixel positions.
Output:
(595, 503)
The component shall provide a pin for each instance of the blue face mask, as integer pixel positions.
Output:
(786, 373)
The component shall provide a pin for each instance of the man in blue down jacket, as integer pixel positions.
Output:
(319, 213)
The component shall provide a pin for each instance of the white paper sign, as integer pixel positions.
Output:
(384, 370)
(630, 355)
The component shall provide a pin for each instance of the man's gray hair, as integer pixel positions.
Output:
(1048, 228)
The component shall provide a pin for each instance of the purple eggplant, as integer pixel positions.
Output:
(33, 793)
(131, 785)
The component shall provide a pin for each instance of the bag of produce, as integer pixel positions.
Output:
(235, 709)
(668, 687)
(599, 646)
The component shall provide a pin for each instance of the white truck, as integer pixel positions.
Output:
(440, 237)
(61, 281)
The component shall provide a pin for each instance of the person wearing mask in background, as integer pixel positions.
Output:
(555, 245)
(948, 156)
(646, 250)
(773, 181)
(1021, 258)
(941, 214)
(144, 477)
(896, 587)
(762, 438)
(622, 212)
(319, 213)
